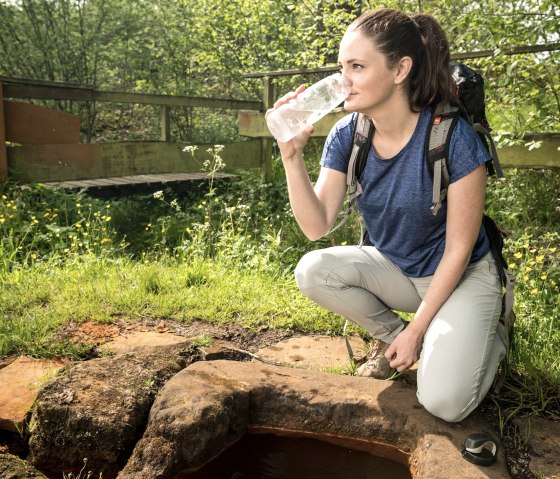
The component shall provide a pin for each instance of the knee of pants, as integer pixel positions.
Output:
(309, 272)
(449, 405)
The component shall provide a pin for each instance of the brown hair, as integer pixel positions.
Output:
(420, 37)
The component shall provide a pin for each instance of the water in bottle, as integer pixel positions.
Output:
(311, 105)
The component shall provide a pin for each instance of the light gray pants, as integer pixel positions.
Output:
(464, 343)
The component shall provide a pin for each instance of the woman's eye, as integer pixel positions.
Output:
(356, 66)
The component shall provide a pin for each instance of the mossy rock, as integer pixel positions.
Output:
(12, 467)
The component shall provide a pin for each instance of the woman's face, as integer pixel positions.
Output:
(365, 67)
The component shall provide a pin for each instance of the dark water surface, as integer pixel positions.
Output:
(268, 456)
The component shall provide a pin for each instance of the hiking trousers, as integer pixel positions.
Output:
(464, 343)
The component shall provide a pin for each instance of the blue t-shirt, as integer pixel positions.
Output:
(397, 194)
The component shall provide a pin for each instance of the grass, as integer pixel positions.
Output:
(224, 253)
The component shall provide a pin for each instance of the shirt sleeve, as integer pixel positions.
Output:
(336, 149)
(466, 152)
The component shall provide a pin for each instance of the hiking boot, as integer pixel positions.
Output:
(376, 365)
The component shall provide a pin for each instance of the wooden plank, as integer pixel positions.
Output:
(38, 125)
(44, 163)
(253, 124)
(520, 156)
(3, 151)
(266, 146)
(165, 124)
(133, 180)
(55, 92)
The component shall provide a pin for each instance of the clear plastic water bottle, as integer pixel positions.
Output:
(311, 105)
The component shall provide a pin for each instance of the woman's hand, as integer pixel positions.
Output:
(290, 149)
(404, 351)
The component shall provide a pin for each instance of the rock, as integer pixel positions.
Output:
(544, 439)
(208, 406)
(130, 341)
(314, 352)
(12, 467)
(98, 409)
(24, 377)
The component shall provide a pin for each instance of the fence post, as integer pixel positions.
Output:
(3, 151)
(165, 123)
(266, 143)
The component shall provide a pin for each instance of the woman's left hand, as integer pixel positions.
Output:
(404, 351)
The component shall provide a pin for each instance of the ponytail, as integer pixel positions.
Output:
(420, 37)
(432, 84)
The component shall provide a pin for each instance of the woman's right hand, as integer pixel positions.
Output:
(290, 149)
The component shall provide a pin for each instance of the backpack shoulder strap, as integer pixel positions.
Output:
(438, 138)
(361, 143)
(493, 165)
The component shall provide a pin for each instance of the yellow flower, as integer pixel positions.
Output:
(552, 250)
(540, 259)
(512, 266)
(534, 291)
(518, 255)
(553, 283)
(543, 277)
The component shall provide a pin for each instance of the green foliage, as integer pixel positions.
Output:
(203, 48)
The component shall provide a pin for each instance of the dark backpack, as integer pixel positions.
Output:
(470, 106)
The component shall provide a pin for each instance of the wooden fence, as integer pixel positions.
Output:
(49, 148)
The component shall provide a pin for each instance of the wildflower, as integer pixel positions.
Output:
(534, 291)
(158, 195)
(543, 277)
(540, 259)
(552, 250)
(512, 266)
(4, 197)
(552, 282)
(518, 255)
(190, 149)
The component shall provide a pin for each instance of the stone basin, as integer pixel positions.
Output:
(207, 407)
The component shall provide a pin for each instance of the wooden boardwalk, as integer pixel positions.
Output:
(134, 180)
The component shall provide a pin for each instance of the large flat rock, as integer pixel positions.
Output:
(20, 382)
(208, 406)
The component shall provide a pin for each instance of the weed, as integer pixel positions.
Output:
(202, 341)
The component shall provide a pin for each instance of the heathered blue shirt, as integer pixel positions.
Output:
(397, 194)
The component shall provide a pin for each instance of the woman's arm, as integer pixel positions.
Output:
(465, 204)
(315, 208)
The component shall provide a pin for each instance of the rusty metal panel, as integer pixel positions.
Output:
(39, 125)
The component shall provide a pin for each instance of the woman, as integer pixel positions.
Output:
(437, 267)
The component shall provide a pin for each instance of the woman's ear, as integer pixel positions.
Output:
(404, 66)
